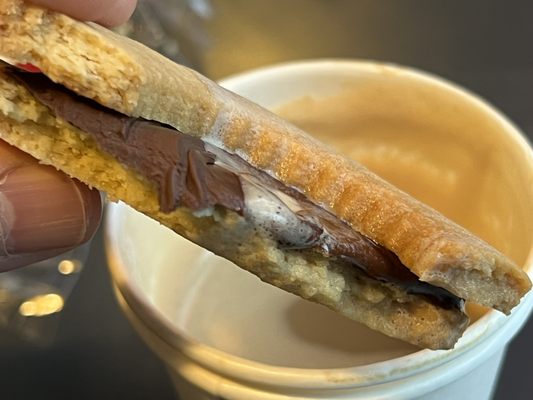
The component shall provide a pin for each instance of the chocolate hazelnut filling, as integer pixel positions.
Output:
(191, 173)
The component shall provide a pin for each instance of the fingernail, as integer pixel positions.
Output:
(42, 210)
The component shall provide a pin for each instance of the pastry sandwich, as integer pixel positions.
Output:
(239, 181)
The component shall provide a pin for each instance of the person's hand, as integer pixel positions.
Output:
(43, 212)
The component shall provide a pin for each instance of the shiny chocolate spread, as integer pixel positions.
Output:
(191, 173)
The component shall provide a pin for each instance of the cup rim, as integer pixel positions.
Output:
(385, 371)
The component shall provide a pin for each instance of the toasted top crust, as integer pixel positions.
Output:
(128, 77)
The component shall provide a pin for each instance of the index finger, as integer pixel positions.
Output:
(105, 12)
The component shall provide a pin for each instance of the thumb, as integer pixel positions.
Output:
(43, 213)
(105, 12)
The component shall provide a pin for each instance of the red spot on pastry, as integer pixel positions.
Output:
(29, 67)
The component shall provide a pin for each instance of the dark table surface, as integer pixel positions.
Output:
(482, 45)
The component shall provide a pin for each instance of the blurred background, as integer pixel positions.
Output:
(62, 334)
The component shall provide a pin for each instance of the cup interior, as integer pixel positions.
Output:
(437, 142)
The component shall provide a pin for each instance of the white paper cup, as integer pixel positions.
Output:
(224, 334)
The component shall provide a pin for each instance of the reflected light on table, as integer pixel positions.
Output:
(67, 267)
(42, 305)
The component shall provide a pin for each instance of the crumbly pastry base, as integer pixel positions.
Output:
(30, 126)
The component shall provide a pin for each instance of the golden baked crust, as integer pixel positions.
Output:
(101, 65)
(128, 77)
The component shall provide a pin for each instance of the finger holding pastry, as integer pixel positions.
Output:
(108, 13)
(43, 212)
